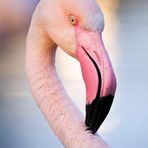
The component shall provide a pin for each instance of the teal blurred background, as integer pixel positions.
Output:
(22, 125)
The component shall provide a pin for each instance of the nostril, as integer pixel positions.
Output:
(98, 57)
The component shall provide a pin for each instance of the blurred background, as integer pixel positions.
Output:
(21, 123)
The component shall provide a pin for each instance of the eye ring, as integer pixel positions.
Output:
(72, 19)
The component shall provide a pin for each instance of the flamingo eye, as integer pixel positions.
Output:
(72, 19)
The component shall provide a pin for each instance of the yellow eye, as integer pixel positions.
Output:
(72, 19)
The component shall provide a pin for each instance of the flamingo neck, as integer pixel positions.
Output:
(63, 116)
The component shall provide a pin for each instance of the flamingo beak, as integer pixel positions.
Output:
(98, 76)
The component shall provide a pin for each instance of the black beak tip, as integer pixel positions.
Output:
(96, 112)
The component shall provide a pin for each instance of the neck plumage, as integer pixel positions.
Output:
(63, 116)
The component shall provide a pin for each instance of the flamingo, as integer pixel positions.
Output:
(75, 26)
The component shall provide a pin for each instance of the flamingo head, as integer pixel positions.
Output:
(76, 26)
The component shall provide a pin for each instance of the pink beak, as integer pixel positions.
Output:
(98, 75)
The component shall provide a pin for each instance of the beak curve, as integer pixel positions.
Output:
(98, 76)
